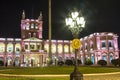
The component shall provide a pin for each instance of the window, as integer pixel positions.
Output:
(103, 44)
(81, 48)
(66, 48)
(60, 49)
(36, 26)
(26, 46)
(17, 48)
(53, 48)
(32, 46)
(46, 47)
(34, 34)
(27, 26)
(32, 25)
(110, 44)
(92, 45)
(38, 47)
(10, 47)
(86, 46)
(2, 47)
(29, 34)
(104, 57)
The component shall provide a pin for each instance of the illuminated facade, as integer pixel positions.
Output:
(31, 50)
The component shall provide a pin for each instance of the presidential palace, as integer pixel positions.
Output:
(32, 50)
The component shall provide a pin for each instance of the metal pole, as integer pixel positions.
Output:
(50, 54)
(76, 75)
(76, 68)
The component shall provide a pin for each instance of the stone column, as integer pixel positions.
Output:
(107, 47)
(5, 54)
(56, 49)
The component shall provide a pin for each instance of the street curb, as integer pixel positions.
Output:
(63, 75)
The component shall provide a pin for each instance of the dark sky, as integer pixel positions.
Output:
(100, 15)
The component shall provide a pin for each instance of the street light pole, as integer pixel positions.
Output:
(75, 24)
(50, 34)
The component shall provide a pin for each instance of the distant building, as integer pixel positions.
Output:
(32, 50)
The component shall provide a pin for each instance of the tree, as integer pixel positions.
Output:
(60, 63)
(102, 62)
(114, 62)
(79, 62)
(88, 62)
(1, 63)
(69, 62)
(118, 61)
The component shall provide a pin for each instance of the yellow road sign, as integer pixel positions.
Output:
(76, 43)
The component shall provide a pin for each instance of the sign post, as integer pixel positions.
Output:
(76, 75)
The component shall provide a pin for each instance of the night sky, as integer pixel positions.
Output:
(100, 15)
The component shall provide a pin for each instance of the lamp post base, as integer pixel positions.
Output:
(76, 75)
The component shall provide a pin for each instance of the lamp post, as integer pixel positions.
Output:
(75, 24)
(50, 30)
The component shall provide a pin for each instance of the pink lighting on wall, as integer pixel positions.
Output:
(41, 51)
(23, 25)
(98, 42)
(115, 43)
(1, 56)
(40, 25)
(23, 44)
(40, 30)
(40, 34)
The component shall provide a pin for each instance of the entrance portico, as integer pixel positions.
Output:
(34, 59)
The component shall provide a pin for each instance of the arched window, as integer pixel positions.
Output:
(66, 48)
(9, 47)
(34, 34)
(81, 47)
(27, 26)
(111, 56)
(53, 48)
(91, 44)
(29, 34)
(36, 26)
(17, 48)
(2, 47)
(32, 25)
(9, 61)
(46, 47)
(60, 49)
(17, 61)
(104, 57)
(93, 58)
(86, 46)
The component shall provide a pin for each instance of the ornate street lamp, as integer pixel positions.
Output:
(75, 24)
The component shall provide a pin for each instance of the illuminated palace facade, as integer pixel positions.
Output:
(31, 50)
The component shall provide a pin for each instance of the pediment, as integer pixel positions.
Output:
(33, 39)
